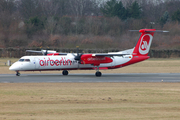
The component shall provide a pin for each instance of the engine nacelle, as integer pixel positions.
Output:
(94, 60)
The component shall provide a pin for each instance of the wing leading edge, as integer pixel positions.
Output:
(107, 55)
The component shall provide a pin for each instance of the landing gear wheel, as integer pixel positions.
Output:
(17, 73)
(65, 72)
(98, 74)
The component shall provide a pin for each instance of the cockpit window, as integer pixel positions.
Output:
(24, 60)
(21, 60)
(27, 60)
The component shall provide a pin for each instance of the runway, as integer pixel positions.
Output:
(85, 78)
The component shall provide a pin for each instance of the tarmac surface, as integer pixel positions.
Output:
(85, 78)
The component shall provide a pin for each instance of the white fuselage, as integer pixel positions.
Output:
(61, 62)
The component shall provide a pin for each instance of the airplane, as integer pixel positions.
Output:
(52, 60)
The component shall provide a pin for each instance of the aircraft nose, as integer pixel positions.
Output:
(14, 67)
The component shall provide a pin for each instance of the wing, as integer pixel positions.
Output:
(33, 51)
(46, 52)
(42, 51)
(107, 55)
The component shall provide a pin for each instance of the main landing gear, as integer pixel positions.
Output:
(17, 73)
(98, 73)
(65, 72)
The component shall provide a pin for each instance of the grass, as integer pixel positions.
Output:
(3, 61)
(90, 101)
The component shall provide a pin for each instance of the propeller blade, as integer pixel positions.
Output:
(78, 57)
(46, 52)
(77, 50)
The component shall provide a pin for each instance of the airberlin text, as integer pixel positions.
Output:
(96, 59)
(51, 62)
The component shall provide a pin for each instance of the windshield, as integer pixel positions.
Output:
(24, 60)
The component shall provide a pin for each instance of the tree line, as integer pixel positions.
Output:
(87, 23)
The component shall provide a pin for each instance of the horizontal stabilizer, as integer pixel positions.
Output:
(148, 30)
(158, 31)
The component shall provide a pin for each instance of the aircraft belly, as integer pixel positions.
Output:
(85, 66)
(56, 67)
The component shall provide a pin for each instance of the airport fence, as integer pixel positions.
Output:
(19, 52)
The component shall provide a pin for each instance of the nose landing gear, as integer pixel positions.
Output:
(17, 73)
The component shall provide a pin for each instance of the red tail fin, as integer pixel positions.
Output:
(144, 43)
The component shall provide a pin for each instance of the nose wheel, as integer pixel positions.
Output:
(17, 73)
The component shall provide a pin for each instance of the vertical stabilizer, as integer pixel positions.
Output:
(144, 43)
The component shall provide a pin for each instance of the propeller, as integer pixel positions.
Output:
(78, 57)
(45, 52)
